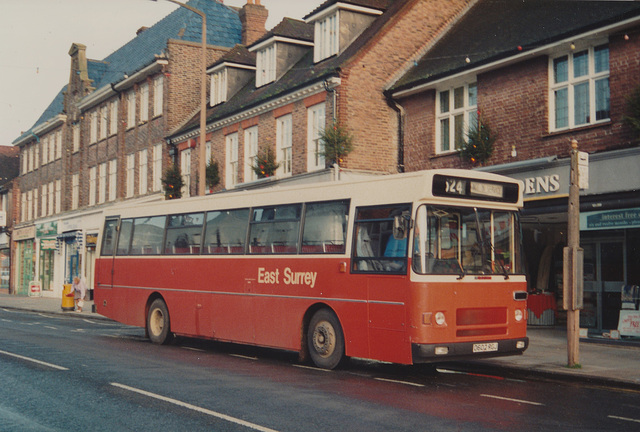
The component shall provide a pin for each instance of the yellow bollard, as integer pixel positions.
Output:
(68, 302)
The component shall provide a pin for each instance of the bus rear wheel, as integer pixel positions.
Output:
(158, 324)
(325, 339)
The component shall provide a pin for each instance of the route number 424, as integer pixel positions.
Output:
(455, 186)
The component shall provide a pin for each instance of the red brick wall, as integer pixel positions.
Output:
(514, 100)
(361, 104)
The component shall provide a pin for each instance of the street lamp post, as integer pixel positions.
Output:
(202, 163)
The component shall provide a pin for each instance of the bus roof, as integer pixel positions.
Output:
(376, 190)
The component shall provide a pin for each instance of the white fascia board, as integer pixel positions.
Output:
(542, 50)
(295, 96)
(342, 6)
(42, 128)
(107, 91)
(274, 39)
(223, 65)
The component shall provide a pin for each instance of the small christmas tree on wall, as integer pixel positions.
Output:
(338, 143)
(172, 182)
(212, 174)
(478, 146)
(264, 164)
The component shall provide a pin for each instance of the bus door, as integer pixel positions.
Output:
(380, 253)
(104, 273)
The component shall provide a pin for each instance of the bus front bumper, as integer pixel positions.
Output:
(429, 353)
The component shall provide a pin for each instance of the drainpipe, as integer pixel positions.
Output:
(401, 114)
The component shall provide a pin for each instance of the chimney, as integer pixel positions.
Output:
(253, 17)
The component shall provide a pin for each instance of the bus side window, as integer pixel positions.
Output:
(124, 239)
(148, 233)
(325, 227)
(109, 237)
(184, 232)
(376, 250)
(226, 231)
(275, 230)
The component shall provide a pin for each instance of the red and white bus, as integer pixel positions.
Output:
(406, 268)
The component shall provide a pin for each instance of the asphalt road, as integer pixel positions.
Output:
(61, 373)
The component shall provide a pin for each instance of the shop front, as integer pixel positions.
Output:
(609, 235)
(25, 263)
(46, 239)
(5, 261)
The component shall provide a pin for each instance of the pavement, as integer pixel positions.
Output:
(602, 361)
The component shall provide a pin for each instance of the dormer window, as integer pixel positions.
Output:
(219, 87)
(326, 38)
(266, 65)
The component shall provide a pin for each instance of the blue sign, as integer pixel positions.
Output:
(613, 219)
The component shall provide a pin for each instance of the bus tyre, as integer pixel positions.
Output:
(158, 324)
(325, 339)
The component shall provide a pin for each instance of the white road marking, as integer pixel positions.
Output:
(51, 327)
(624, 418)
(311, 368)
(400, 382)
(512, 400)
(40, 362)
(195, 408)
(192, 349)
(6, 320)
(243, 357)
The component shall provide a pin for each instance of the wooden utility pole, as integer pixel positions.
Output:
(573, 255)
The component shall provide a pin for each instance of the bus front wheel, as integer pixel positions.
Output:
(325, 339)
(158, 324)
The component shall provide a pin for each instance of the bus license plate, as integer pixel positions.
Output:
(485, 347)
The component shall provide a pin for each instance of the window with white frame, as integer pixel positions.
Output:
(113, 117)
(30, 153)
(50, 199)
(92, 185)
(326, 38)
(113, 173)
(250, 153)
(315, 147)
(158, 95)
(457, 111)
(131, 109)
(580, 88)
(76, 138)
(144, 102)
(157, 167)
(185, 168)
(36, 156)
(30, 205)
(52, 147)
(103, 122)
(58, 197)
(231, 155)
(43, 199)
(75, 191)
(131, 172)
(59, 144)
(219, 87)
(93, 127)
(266, 65)
(284, 139)
(102, 183)
(45, 151)
(143, 163)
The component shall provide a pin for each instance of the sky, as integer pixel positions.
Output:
(36, 36)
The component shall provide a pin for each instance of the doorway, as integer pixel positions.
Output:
(604, 270)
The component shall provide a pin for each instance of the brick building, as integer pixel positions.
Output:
(9, 169)
(541, 73)
(282, 90)
(101, 140)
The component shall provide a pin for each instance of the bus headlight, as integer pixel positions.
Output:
(519, 315)
(440, 319)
